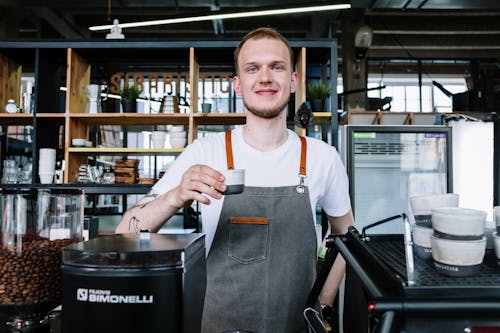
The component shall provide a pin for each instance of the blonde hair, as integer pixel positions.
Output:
(260, 33)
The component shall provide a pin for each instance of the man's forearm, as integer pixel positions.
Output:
(150, 213)
(332, 283)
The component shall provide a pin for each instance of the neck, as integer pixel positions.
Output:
(265, 134)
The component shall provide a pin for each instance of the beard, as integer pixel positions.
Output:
(267, 113)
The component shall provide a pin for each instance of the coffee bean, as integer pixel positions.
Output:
(31, 271)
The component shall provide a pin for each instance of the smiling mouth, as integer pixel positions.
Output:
(266, 92)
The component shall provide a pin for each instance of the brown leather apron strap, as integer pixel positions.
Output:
(229, 151)
(303, 154)
(303, 151)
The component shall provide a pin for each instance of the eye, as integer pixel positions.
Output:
(252, 69)
(278, 67)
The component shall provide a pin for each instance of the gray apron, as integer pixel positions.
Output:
(261, 266)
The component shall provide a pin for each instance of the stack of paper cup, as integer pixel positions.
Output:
(46, 165)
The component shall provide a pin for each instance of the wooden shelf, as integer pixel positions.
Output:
(89, 188)
(51, 115)
(322, 115)
(16, 119)
(130, 119)
(124, 151)
(390, 118)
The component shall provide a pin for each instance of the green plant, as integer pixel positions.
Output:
(130, 92)
(317, 90)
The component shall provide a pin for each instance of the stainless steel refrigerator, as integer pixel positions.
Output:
(388, 164)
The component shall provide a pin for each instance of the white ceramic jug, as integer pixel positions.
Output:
(93, 92)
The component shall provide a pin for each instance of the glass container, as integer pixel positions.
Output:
(35, 226)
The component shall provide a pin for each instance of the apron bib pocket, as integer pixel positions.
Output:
(248, 239)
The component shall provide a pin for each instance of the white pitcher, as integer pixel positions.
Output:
(93, 92)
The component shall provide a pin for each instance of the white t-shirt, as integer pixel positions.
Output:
(326, 177)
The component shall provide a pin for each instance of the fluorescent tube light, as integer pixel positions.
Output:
(226, 16)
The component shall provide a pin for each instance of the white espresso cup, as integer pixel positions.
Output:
(235, 181)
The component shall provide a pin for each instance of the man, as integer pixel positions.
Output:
(261, 243)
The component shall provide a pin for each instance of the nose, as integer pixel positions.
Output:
(265, 75)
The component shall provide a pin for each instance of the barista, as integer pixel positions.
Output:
(261, 243)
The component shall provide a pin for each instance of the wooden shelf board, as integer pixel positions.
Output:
(322, 114)
(50, 115)
(131, 118)
(127, 151)
(219, 118)
(16, 119)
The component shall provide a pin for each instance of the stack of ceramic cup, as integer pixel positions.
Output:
(158, 139)
(421, 209)
(46, 165)
(458, 241)
(178, 138)
(496, 234)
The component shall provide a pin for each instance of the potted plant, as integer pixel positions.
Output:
(129, 95)
(317, 93)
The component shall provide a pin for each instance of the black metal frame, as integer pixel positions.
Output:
(393, 306)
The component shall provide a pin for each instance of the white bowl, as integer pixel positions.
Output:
(178, 142)
(78, 142)
(421, 206)
(425, 203)
(459, 222)
(176, 128)
(88, 143)
(422, 241)
(496, 244)
(177, 134)
(458, 257)
(496, 217)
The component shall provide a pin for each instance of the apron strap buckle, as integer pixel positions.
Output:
(301, 188)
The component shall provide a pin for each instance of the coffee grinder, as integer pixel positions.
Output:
(128, 283)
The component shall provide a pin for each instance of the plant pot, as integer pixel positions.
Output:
(129, 105)
(318, 105)
(110, 105)
(206, 107)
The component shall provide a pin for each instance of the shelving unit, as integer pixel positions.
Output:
(59, 114)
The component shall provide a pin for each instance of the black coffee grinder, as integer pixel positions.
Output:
(134, 283)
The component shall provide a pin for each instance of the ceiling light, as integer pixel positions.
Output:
(210, 17)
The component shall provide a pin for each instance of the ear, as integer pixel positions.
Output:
(293, 86)
(236, 85)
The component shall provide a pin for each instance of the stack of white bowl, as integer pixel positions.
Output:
(421, 209)
(496, 234)
(458, 242)
(46, 165)
(177, 135)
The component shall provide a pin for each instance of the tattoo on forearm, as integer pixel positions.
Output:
(149, 195)
(133, 224)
